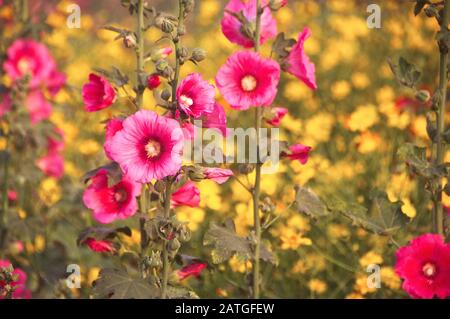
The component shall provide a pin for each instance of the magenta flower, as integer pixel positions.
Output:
(113, 126)
(186, 195)
(110, 203)
(38, 106)
(52, 164)
(277, 115)
(189, 131)
(31, 58)
(232, 27)
(219, 175)
(153, 81)
(149, 146)
(100, 246)
(247, 79)
(298, 152)
(195, 96)
(192, 270)
(217, 119)
(98, 93)
(299, 64)
(424, 266)
(55, 81)
(5, 103)
(20, 291)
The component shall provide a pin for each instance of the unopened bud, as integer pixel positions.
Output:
(276, 5)
(129, 41)
(153, 81)
(195, 174)
(198, 54)
(164, 24)
(248, 30)
(165, 94)
(423, 96)
(431, 11)
(246, 168)
(188, 5)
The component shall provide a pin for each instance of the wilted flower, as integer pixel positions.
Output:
(20, 291)
(298, 152)
(219, 175)
(299, 63)
(216, 119)
(277, 115)
(99, 246)
(192, 270)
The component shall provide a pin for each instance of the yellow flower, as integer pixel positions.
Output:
(390, 278)
(354, 295)
(408, 209)
(361, 285)
(368, 142)
(191, 215)
(292, 239)
(49, 191)
(370, 258)
(317, 286)
(360, 80)
(364, 117)
(89, 147)
(238, 265)
(338, 231)
(92, 275)
(3, 143)
(340, 90)
(318, 128)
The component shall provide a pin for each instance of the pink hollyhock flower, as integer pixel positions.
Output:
(219, 175)
(5, 104)
(404, 102)
(217, 119)
(232, 27)
(100, 246)
(298, 152)
(55, 145)
(16, 247)
(189, 131)
(192, 270)
(149, 146)
(12, 195)
(424, 266)
(186, 195)
(247, 79)
(55, 81)
(110, 203)
(299, 63)
(195, 96)
(38, 107)
(98, 93)
(52, 164)
(28, 57)
(277, 115)
(153, 81)
(20, 291)
(113, 126)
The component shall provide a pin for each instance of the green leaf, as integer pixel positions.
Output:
(227, 243)
(181, 293)
(117, 284)
(281, 45)
(389, 214)
(406, 73)
(420, 4)
(415, 158)
(307, 202)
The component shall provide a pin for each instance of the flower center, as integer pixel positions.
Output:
(24, 66)
(153, 148)
(429, 270)
(185, 101)
(248, 83)
(120, 195)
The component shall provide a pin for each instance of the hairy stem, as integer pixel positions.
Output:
(438, 210)
(4, 211)
(177, 45)
(257, 185)
(166, 262)
(140, 49)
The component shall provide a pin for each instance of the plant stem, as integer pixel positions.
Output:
(257, 185)
(440, 143)
(140, 49)
(166, 263)
(4, 211)
(177, 44)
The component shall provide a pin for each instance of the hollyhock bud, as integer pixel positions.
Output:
(198, 55)
(276, 5)
(195, 174)
(129, 41)
(277, 114)
(166, 95)
(173, 247)
(188, 5)
(98, 93)
(218, 175)
(164, 24)
(423, 96)
(153, 81)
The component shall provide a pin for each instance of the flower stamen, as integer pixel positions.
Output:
(152, 148)
(248, 83)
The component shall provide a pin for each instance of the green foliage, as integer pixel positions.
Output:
(406, 73)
